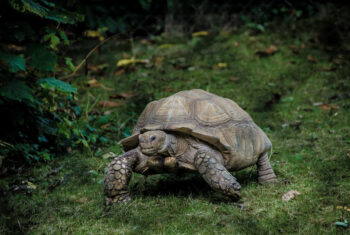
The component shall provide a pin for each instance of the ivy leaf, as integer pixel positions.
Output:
(16, 90)
(15, 62)
(41, 58)
(58, 85)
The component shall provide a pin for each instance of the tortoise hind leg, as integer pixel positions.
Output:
(216, 175)
(265, 171)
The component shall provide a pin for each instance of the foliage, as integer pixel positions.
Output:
(42, 116)
(303, 106)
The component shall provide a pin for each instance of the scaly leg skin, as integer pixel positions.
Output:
(117, 177)
(217, 176)
(265, 172)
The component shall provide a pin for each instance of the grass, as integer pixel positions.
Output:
(311, 144)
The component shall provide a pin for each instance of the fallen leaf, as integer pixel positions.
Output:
(119, 72)
(236, 44)
(328, 106)
(343, 208)
(168, 89)
(272, 49)
(295, 49)
(82, 200)
(16, 48)
(132, 61)
(30, 185)
(224, 33)
(311, 59)
(233, 79)
(327, 69)
(97, 68)
(290, 195)
(145, 42)
(123, 95)
(94, 34)
(200, 34)
(159, 61)
(109, 155)
(110, 104)
(165, 46)
(94, 83)
(269, 51)
(105, 126)
(219, 66)
(125, 55)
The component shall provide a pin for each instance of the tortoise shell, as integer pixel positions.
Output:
(213, 119)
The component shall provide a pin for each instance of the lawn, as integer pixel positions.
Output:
(295, 89)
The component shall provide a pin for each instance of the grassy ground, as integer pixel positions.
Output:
(281, 91)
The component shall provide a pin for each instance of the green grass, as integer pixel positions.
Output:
(311, 146)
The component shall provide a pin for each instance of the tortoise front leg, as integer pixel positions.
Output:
(216, 175)
(265, 172)
(118, 175)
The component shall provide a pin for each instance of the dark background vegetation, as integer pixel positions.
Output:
(42, 45)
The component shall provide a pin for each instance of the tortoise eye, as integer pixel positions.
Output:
(153, 138)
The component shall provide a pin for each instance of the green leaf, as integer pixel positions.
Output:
(64, 37)
(53, 39)
(260, 27)
(16, 90)
(56, 84)
(41, 58)
(29, 5)
(15, 62)
(69, 63)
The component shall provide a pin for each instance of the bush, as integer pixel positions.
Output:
(40, 113)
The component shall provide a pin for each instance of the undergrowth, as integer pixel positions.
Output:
(298, 94)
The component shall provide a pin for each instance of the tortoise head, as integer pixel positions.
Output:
(154, 142)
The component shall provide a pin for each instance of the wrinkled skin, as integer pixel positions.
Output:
(160, 152)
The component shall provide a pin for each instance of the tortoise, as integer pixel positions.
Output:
(192, 130)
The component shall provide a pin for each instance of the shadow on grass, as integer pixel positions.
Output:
(187, 185)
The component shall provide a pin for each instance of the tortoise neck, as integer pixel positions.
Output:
(169, 146)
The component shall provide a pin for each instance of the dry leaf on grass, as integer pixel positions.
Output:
(272, 49)
(311, 59)
(94, 83)
(219, 66)
(295, 49)
(233, 79)
(109, 155)
(97, 68)
(94, 34)
(82, 200)
(328, 106)
(343, 208)
(159, 61)
(123, 95)
(119, 72)
(110, 104)
(290, 195)
(200, 34)
(132, 61)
